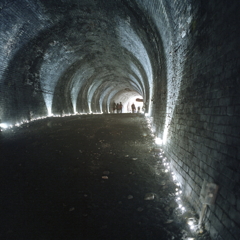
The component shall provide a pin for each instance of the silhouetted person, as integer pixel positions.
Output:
(117, 107)
(114, 107)
(120, 107)
(138, 109)
(133, 108)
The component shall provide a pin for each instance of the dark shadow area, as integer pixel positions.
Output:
(54, 172)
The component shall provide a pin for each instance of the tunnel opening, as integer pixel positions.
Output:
(127, 97)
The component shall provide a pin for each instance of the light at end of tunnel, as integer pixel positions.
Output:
(3, 125)
(158, 141)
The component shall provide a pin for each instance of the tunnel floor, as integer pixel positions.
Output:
(86, 177)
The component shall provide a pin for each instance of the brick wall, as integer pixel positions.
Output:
(202, 108)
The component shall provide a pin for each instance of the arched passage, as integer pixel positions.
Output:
(182, 58)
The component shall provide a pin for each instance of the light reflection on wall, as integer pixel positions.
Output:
(55, 61)
(79, 78)
(136, 71)
(92, 90)
(131, 41)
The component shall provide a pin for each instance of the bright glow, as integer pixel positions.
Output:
(3, 125)
(158, 141)
(89, 107)
(190, 223)
(49, 108)
(165, 135)
(129, 101)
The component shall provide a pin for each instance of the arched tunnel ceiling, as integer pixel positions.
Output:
(181, 57)
(70, 53)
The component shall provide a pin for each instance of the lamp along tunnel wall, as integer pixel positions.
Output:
(181, 57)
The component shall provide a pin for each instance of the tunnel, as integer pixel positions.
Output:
(178, 61)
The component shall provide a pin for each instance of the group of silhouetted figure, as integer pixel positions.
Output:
(134, 108)
(117, 108)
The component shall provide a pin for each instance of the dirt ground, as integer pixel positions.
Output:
(85, 177)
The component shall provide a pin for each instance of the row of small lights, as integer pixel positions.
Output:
(191, 221)
(6, 126)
